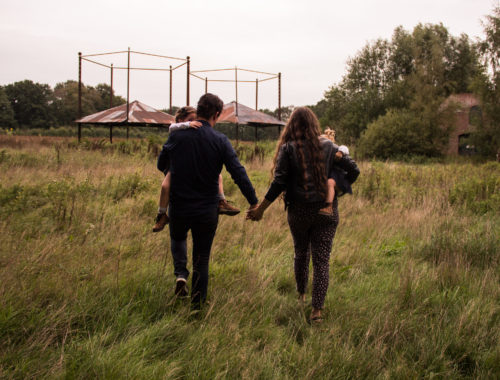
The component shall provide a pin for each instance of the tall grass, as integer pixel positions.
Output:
(86, 288)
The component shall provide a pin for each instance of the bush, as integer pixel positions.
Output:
(401, 133)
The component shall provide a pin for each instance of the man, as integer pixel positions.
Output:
(195, 158)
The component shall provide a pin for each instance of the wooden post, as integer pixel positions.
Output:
(257, 94)
(236, 86)
(170, 91)
(111, 134)
(279, 96)
(79, 95)
(188, 72)
(128, 82)
(206, 85)
(111, 90)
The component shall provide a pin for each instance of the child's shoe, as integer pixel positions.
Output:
(162, 220)
(226, 209)
(327, 210)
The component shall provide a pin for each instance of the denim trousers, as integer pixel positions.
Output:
(203, 230)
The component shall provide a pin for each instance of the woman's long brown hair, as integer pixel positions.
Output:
(303, 129)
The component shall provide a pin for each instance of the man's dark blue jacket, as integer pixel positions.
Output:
(194, 158)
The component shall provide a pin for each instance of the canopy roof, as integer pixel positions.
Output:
(246, 115)
(138, 114)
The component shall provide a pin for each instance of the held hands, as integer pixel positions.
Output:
(195, 124)
(254, 213)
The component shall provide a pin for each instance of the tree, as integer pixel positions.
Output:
(414, 71)
(31, 103)
(104, 92)
(7, 119)
(286, 111)
(487, 86)
(401, 133)
(93, 100)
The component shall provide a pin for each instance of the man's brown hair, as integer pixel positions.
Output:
(209, 105)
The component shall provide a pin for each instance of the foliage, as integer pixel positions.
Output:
(487, 85)
(7, 119)
(413, 71)
(286, 111)
(93, 100)
(31, 103)
(401, 133)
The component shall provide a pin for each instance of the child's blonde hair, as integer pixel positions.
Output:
(330, 134)
(183, 112)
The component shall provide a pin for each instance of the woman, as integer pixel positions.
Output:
(301, 164)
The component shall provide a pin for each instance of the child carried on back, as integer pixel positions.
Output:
(338, 182)
(185, 118)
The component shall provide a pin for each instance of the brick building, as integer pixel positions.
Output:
(468, 115)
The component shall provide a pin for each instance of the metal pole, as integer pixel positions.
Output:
(170, 93)
(128, 82)
(188, 71)
(236, 85)
(111, 91)
(256, 94)
(206, 85)
(79, 95)
(279, 96)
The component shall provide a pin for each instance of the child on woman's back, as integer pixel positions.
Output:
(337, 180)
(186, 118)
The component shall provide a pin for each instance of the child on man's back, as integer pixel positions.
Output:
(185, 118)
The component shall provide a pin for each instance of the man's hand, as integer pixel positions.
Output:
(195, 124)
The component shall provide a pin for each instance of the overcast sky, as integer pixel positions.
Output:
(309, 42)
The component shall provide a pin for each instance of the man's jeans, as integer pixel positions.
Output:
(203, 231)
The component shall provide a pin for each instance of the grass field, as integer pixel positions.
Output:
(86, 288)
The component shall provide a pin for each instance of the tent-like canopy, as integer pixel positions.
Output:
(138, 114)
(239, 114)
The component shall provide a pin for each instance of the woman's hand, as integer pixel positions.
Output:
(255, 213)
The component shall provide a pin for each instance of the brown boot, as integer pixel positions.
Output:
(226, 209)
(327, 210)
(162, 220)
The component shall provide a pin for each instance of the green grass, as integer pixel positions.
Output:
(86, 288)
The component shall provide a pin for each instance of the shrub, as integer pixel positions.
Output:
(401, 133)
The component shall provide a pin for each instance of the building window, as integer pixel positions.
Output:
(476, 116)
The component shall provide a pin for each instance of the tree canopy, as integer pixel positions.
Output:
(407, 76)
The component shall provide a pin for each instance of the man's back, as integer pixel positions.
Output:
(195, 159)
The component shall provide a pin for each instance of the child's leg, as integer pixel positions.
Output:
(162, 218)
(164, 194)
(221, 188)
(330, 194)
(224, 207)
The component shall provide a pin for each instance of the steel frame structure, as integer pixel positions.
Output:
(185, 61)
(269, 76)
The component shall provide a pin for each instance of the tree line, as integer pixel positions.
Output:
(390, 101)
(27, 104)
